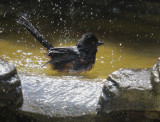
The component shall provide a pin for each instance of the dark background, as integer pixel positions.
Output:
(127, 20)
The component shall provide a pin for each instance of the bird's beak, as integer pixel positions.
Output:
(99, 43)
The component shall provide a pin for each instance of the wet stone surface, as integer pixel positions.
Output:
(127, 95)
(155, 77)
(6, 69)
(132, 94)
(127, 89)
(53, 97)
(10, 86)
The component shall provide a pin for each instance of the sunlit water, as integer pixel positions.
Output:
(28, 56)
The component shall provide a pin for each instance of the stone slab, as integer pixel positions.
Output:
(54, 97)
(128, 89)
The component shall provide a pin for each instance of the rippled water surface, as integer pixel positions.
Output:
(129, 42)
(28, 55)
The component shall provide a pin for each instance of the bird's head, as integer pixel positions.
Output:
(89, 40)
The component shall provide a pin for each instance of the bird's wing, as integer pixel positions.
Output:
(63, 54)
(64, 50)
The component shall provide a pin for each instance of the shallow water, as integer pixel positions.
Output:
(129, 42)
(28, 56)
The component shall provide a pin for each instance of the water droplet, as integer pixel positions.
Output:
(4, 90)
(19, 51)
(102, 62)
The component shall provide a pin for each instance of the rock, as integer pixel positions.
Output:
(155, 77)
(50, 98)
(10, 86)
(127, 89)
(131, 94)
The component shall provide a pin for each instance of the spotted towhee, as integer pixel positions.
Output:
(79, 58)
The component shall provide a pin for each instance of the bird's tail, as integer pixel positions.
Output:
(23, 21)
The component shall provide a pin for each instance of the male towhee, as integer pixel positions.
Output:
(79, 58)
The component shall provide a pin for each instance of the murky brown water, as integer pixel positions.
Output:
(28, 56)
(140, 51)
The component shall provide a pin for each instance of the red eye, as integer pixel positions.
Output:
(93, 43)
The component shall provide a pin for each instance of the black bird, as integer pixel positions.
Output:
(79, 58)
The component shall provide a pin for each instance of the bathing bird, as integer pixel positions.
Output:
(78, 58)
